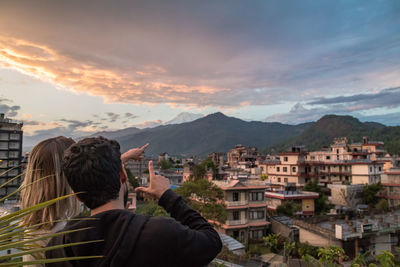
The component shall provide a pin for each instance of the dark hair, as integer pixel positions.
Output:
(92, 167)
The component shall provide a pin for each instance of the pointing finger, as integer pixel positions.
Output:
(144, 147)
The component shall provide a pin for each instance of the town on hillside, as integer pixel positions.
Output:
(268, 208)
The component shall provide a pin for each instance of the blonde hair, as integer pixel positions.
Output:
(44, 181)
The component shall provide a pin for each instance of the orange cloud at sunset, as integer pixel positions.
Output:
(50, 65)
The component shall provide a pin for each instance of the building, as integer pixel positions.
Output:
(375, 233)
(345, 196)
(275, 198)
(138, 168)
(241, 155)
(246, 210)
(391, 187)
(10, 154)
(289, 168)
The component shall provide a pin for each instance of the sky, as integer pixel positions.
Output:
(77, 67)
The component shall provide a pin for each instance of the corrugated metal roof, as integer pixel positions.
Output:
(230, 242)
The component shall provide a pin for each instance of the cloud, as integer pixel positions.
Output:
(130, 116)
(387, 98)
(299, 114)
(10, 111)
(205, 54)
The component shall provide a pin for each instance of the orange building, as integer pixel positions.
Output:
(246, 209)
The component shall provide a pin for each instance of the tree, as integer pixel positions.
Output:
(165, 164)
(370, 192)
(331, 255)
(133, 181)
(288, 208)
(385, 259)
(151, 209)
(272, 242)
(263, 177)
(205, 197)
(321, 203)
(382, 205)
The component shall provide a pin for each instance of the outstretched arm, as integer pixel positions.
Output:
(197, 241)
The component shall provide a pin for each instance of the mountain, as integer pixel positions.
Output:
(185, 117)
(117, 134)
(322, 133)
(215, 132)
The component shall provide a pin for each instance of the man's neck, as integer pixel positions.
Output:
(112, 205)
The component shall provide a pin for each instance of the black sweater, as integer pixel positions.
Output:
(136, 240)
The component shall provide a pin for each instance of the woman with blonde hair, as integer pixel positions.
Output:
(45, 181)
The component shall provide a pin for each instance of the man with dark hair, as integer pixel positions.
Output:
(93, 168)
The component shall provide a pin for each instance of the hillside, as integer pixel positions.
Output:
(328, 127)
(215, 132)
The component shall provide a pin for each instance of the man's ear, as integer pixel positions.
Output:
(123, 175)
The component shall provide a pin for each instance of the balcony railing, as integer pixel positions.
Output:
(236, 203)
(236, 222)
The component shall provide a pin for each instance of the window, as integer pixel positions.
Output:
(337, 157)
(256, 214)
(14, 136)
(285, 180)
(257, 196)
(380, 169)
(284, 169)
(337, 151)
(279, 179)
(278, 169)
(4, 136)
(3, 154)
(390, 189)
(14, 145)
(13, 154)
(235, 215)
(235, 196)
(328, 157)
(256, 234)
(285, 158)
(3, 145)
(293, 169)
(370, 169)
(13, 163)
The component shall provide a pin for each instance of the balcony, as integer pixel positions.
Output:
(236, 222)
(236, 203)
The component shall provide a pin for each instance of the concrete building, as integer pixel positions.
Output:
(289, 168)
(391, 187)
(138, 168)
(275, 198)
(345, 196)
(10, 154)
(246, 209)
(240, 155)
(355, 235)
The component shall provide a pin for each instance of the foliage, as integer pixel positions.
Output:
(322, 133)
(321, 203)
(306, 249)
(272, 241)
(288, 249)
(331, 255)
(369, 194)
(386, 259)
(151, 208)
(288, 208)
(23, 239)
(205, 197)
(263, 177)
(360, 260)
(133, 181)
(166, 164)
(382, 205)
